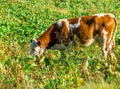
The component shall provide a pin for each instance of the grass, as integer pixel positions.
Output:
(76, 67)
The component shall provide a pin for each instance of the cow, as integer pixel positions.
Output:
(86, 28)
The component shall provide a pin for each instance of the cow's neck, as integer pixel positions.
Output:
(45, 38)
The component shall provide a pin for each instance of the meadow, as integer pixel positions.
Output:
(75, 67)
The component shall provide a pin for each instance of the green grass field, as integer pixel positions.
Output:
(73, 68)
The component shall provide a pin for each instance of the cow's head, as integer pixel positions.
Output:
(35, 48)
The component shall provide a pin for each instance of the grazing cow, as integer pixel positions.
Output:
(85, 28)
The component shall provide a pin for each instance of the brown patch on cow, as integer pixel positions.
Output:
(73, 20)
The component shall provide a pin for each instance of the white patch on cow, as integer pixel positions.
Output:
(104, 51)
(76, 25)
(90, 41)
(111, 15)
(100, 15)
(59, 22)
(35, 49)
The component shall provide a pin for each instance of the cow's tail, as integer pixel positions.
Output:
(114, 32)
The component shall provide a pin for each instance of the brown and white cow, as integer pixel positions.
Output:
(85, 28)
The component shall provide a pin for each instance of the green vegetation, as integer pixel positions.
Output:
(73, 68)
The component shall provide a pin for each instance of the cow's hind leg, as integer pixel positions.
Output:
(107, 47)
(107, 43)
(103, 43)
(111, 48)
